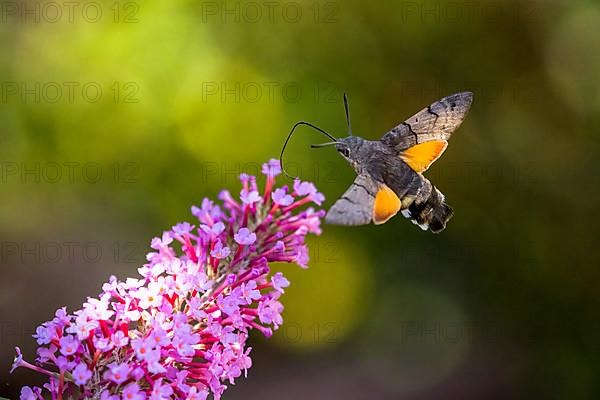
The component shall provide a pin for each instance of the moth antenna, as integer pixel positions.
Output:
(347, 109)
(297, 124)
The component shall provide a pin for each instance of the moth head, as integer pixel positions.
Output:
(348, 147)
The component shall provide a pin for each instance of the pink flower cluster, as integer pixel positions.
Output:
(180, 331)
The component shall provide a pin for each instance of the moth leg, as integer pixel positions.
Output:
(407, 201)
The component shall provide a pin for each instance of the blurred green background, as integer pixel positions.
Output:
(116, 117)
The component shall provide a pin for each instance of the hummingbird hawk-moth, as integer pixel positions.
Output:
(390, 170)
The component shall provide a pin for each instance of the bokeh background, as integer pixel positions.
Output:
(116, 117)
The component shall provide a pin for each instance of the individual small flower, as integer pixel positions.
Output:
(271, 168)
(158, 337)
(183, 228)
(132, 315)
(149, 297)
(61, 317)
(220, 251)
(142, 348)
(197, 394)
(207, 212)
(184, 341)
(119, 339)
(244, 236)
(111, 285)
(214, 230)
(44, 335)
(161, 243)
(68, 345)
(302, 256)
(153, 362)
(28, 393)
(160, 391)
(152, 271)
(309, 190)
(106, 395)
(279, 282)
(17, 361)
(196, 310)
(137, 374)
(304, 188)
(250, 197)
(269, 312)
(132, 392)
(64, 364)
(229, 304)
(44, 354)
(81, 374)
(281, 197)
(103, 344)
(118, 373)
(249, 292)
(244, 178)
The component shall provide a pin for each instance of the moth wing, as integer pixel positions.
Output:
(355, 207)
(435, 122)
(420, 156)
(387, 204)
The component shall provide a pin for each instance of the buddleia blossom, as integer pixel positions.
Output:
(180, 329)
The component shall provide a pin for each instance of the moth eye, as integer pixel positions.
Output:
(345, 152)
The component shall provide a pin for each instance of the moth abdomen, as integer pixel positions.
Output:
(433, 213)
(441, 217)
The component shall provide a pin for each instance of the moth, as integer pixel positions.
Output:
(390, 170)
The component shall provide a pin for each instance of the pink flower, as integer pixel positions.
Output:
(68, 345)
(132, 392)
(81, 374)
(182, 228)
(117, 373)
(103, 344)
(105, 395)
(269, 312)
(161, 243)
(250, 197)
(220, 251)
(160, 391)
(304, 188)
(249, 292)
(229, 304)
(195, 394)
(281, 197)
(142, 348)
(18, 360)
(158, 337)
(44, 335)
(302, 256)
(271, 168)
(149, 297)
(119, 339)
(180, 330)
(309, 190)
(244, 237)
(215, 230)
(153, 359)
(28, 393)
(279, 282)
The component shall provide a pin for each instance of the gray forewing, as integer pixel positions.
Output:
(355, 207)
(436, 122)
